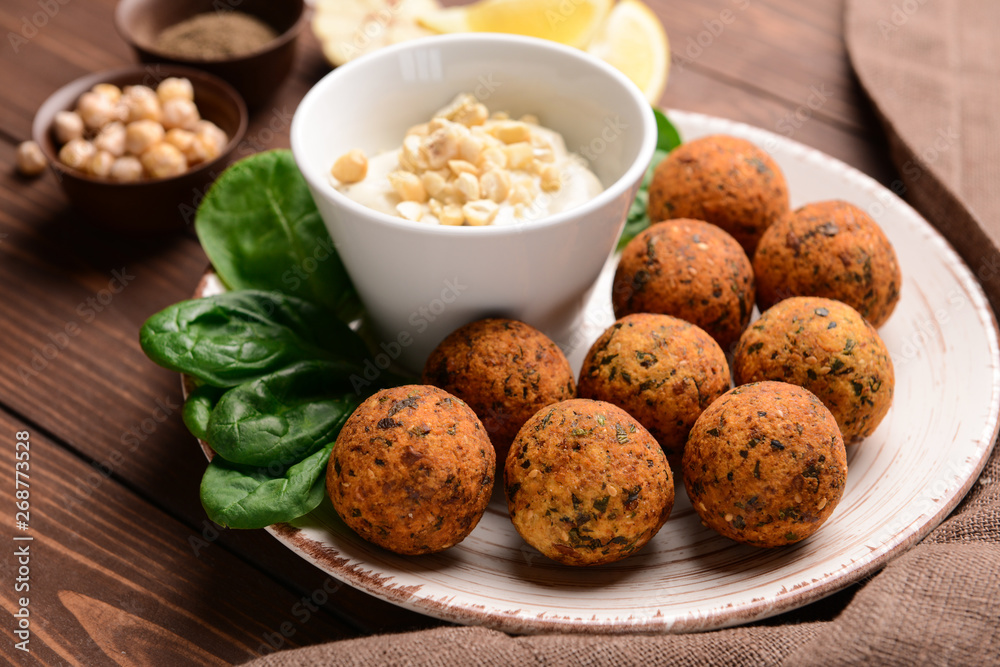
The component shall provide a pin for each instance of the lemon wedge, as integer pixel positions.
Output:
(347, 29)
(633, 40)
(572, 22)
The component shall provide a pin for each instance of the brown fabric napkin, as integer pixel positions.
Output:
(932, 69)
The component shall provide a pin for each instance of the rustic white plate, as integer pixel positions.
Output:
(902, 481)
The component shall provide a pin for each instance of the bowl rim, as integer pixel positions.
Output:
(632, 175)
(281, 40)
(40, 129)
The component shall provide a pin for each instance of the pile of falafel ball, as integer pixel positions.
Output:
(586, 465)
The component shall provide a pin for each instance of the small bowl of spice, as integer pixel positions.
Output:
(134, 149)
(248, 43)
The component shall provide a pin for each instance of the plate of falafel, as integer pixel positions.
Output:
(791, 343)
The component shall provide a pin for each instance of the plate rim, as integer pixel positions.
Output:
(320, 555)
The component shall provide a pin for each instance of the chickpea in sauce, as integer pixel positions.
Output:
(466, 167)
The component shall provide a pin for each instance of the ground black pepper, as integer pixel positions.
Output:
(215, 36)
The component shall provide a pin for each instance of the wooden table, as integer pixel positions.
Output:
(124, 566)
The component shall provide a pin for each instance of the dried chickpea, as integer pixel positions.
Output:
(466, 110)
(459, 167)
(30, 159)
(351, 167)
(163, 161)
(451, 215)
(496, 185)
(181, 113)
(519, 155)
(410, 210)
(67, 126)
(111, 139)
(450, 195)
(141, 103)
(474, 116)
(433, 183)
(126, 169)
(408, 186)
(203, 150)
(470, 148)
(481, 212)
(214, 137)
(100, 164)
(96, 110)
(136, 91)
(489, 146)
(109, 90)
(180, 138)
(512, 132)
(175, 88)
(77, 154)
(551, 178)
(412, 156)
(142, 135)
(468, 185)
(441, 146)
(188, 143)
(493, 158)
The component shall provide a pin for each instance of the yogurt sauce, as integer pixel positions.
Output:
(534, 174)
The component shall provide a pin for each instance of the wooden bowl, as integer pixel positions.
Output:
(256, 75)
(149, 206)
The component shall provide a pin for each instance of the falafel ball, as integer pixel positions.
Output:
(661, 370)
(505, 370)
(765, 464)
(586, 484)
(723, 180)
(412, 470)
(828, 348)
(691, 270)
(831, 249)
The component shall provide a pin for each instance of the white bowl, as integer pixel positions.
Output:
(420, 282)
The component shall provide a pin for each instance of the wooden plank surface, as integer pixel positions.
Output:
(94, 398)
(108, 578)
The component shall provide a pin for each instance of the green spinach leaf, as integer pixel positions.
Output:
(240, 496)
(668, 138)
(198, 408)
(282, 418)
(231, 338)
(261, 230)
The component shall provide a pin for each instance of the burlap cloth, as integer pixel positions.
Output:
(932, 70)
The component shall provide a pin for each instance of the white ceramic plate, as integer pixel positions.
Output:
(902, 481)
